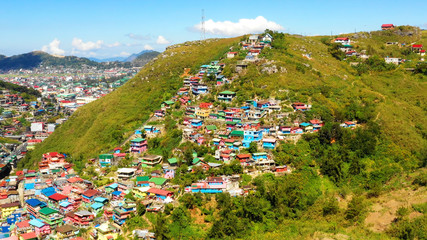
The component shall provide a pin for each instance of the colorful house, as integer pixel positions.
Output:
(41, 228)
(28, 236)
(34, 205)
(106, 160)
(196, 123)
(251, 136)
(387, 26)
(89, 195)
(66, 232)
(138, 145)
(259, 156)
(269, 143)
(80, 218)
(159, 193)
(51, 216)
(8, 208)
(106, 231)
(210, 185)
(226, 96)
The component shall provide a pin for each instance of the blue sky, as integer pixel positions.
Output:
(114, 28)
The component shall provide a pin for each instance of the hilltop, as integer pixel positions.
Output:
(38, 59)
(145, 55)
(142, 58)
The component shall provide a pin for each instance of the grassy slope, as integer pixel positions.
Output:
(101, 125)
(399, 96)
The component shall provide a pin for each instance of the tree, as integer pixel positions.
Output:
(180, 219)
(140, 209)
(355, 208)
(161, 229)
(253, 147)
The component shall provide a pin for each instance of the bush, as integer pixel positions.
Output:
(330, 206)
(355, 209)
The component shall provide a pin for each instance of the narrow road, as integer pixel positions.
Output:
(151, 118)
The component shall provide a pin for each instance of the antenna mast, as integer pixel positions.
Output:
(203, 30)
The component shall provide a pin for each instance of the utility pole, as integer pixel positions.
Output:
(202, 29)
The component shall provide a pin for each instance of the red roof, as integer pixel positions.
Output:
(387, 25)
(422, 51)
(74, 180)
(57, 197)
(159, 191)
(23, 224)
(232, 53)
(417, 46)
(344, 39)
(205, 105)
(315, 121)
(90, 193)
(243, 156)
(29, 235)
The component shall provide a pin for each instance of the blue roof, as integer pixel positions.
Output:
(29, 186)
(304, 124)
(100, 199)
(113, 185)
(34, 202)
(48, 191)
(37, 223)
(97, 205)
(65, 204)
(117, 193)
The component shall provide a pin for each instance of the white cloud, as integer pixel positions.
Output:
(243, 26)
(116, 44)
(148, 47)
(138, 37)
(162, 40)
(124, 54)
(86, 46)
(53, 48)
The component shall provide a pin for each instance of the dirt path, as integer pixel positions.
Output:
(134, 135)
(383, 210)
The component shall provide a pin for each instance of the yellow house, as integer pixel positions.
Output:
(140, 192)
(107, 231)
(8, 208)
(203, 113)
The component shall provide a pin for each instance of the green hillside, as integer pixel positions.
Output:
(342, 180)
(144, 58)
(103, 124)
(38, 58)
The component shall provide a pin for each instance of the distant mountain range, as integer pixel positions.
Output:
(131, 58)
(36, 59)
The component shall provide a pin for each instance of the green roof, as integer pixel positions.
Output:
(237, 133)
(211, 127)
(105, 156)
(158, 180)
(172, 160)
(230, 123)
(47, 211)
(169, 102)
(227, 92)
(142, 178)
(138, 140)
(196, 160)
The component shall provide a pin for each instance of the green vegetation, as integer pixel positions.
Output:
(38, 58)
(21, 89)
(102, 125)
(337, 173)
